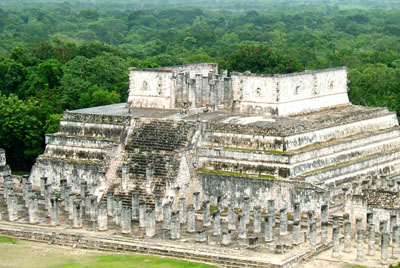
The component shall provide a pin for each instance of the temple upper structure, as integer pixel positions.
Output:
(200, 85)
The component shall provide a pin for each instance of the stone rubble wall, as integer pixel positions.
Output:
(291, 93)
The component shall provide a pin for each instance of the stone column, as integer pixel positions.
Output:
(126, 220)
(268, 231)
(191, 220)
(150, 223)
(43, 182)
(216, 223)
(33, 208)
(257, 220)
(206, 213)
(296, 232)
(246, 209)
(84, 188)
(77, 213)
(68, 191)
(310, 220)
(336, 242)
(313, 235)
(283, 225)
(371, 239)
(231, 217)
(158, 208)
(117, 209)
(324, 223)
(142, 214)
(55, 211)
(196, 201)
(12, 207)
(201, 236)
(395, 242)
(102, 217)
(393, 222)
(384, 247)
(182, 210)
(347, 235)
(63, 185)
(175, 225)
(226, 238)
(360, 245)
(296, 211)
(335, 220)
(28, 191)
(167, 215)
(271, 210)
(220, 200)
(124, 177)
(135, 206)
(47, 202)
(242, 226)
(110, 204)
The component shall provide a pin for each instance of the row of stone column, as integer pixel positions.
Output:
(368, 236)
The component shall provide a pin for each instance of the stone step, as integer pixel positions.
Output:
(342, 171)
(107, 131)
(76, 153)
(80, 141)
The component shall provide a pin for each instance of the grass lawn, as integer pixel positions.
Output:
(14, 253)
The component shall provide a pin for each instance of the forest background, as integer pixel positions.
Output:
(58, 55)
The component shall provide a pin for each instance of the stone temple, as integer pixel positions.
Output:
(246, 145)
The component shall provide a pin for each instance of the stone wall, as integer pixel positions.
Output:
(290, 93)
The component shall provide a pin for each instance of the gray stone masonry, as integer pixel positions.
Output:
(246, 209)
(47, 194)
(150, 223)
(28, 191)
(220, 200)
(110, 204)
(358, 226)
(313, 235)
(102, 218)
(94, 209)
(324, 213)
(191, 219)
(271, 210)
(126, 220)
(360, 245)
(231, 217)
(142, 214)
(347, 235)
(201, 236)
(135, 206)
(124, 176)
(296, 211)
(384, 247)
(370, 217)
(393, 222)
(268, 232)
(196, 201)
(283, 225)
(324, 232)
(63, 185)
(395, 242)
(206, 213)
(55, 211)
(310, 220)
(167, 215)
(242, 226)
(216, 223)
(336, 242)
(335, 220)
(84, 188)
(226, 238)
(72, 197)
(182, 210)
(33, 208)
(77, 213)
(371, 239)
(257, 220)
(175, 225)
(117, 210)
(296, 232)
(43, 182)
(12, 205)
(68, 191)
(158, 208)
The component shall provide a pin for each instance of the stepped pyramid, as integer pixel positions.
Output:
(189, 129)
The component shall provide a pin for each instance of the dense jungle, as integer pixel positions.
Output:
(58, 55)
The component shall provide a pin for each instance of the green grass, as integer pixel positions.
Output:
(132, 261)
(356, 266)
(9, 240)
(19, 173)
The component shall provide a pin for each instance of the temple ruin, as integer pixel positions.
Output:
(246, 169)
